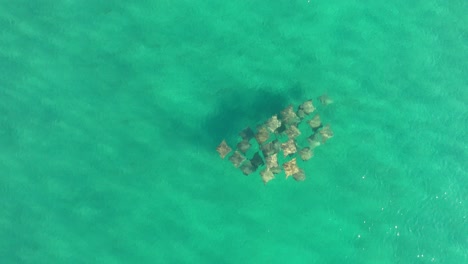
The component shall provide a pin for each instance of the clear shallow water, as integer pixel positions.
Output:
(110, 115)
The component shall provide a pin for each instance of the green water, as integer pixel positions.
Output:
(110, 115)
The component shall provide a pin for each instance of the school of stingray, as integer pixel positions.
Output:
(280, 134)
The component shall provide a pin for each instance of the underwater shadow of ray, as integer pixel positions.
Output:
(233, 111)
(237, 110)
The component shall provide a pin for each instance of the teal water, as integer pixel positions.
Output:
(110, 115)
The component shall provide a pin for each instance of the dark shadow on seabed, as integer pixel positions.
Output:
(233, 110)
(237, 110)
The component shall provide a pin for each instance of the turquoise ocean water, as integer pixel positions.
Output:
(111, 111)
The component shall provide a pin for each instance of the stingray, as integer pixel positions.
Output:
(292, 132)
(271, 148)
(267, 175)
(257, 160)
(288, 116)
(290, 167)
(315, 123)
(289, 147)
(275, 170)
(325, 100)
(273, 123)
(272, 161)
(262, 135)
(237, 158)
(306, 153)
(243, 146)
(247, 134)
(314, 141)
(326, 133)
(299, 176)
(307, 107)
(301, 114)
(247, 167)
(280, 130)
(223, 149)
